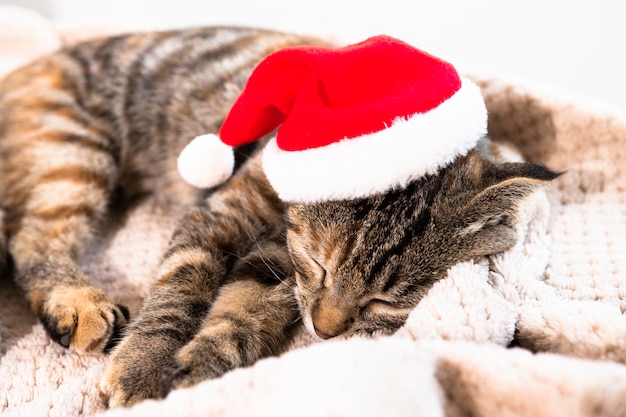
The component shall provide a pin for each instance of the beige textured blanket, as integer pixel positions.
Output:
(561, 290)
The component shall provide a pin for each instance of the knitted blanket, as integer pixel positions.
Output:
(537, 331)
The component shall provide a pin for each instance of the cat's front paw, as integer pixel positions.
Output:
(134, 369)
(122, 384)
(83, 319)
(196, 362)
(175, 376)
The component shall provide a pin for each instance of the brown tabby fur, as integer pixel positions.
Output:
(108, 118)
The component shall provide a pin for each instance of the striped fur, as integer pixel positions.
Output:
(100, 119)
(109, 118)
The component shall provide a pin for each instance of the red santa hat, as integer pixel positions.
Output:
(352, 121)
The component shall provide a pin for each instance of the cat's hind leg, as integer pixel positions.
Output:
(63, 205)
(57, 173)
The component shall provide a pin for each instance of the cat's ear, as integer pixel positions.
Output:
(487, 221)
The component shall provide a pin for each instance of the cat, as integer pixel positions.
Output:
(106, 119)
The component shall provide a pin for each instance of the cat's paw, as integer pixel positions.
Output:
(174, 376)
(83, 319)
(122, 384)
(196, 362)
(133, 370)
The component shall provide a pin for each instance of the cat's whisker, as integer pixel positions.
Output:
(288, 283)
(260, 252)
(297, 319)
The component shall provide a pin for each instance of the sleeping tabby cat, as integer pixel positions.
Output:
(109, 117)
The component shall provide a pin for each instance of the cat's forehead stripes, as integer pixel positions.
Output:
(387, 226)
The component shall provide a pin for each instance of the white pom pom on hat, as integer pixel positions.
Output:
(352, 121)
(206, 161)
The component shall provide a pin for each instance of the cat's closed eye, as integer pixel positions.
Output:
(313, 275)
(382, 306)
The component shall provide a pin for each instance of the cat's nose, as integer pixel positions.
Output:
(330, 321)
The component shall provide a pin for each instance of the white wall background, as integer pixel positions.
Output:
(576, 45)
